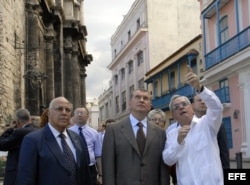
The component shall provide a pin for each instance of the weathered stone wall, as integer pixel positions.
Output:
(12, 55)
(32, 55)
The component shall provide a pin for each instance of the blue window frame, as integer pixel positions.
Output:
(224, 29)
(227, 123)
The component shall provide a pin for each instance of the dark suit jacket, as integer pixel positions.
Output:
(11, 141)
(41, 160)
(223, 146)
(122, 163)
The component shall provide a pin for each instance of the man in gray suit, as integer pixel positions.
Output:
(124, 162)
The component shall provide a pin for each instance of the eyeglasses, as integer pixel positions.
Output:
(178, 105)
(80, 113)
(159, 120)
(61, 109)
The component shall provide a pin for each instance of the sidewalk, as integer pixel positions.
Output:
(233, 165)
(245, 164)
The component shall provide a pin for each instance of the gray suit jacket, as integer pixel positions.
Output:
(121, 160)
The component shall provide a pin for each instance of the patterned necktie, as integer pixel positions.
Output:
(140, 138)
(69, 159)
(85, 142)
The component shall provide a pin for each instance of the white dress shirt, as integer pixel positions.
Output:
(197, 160)
(67, 139)
(91, 137)
(134, 125)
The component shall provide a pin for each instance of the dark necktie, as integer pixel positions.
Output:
(85, 142)
(140, 138)
(69, 159)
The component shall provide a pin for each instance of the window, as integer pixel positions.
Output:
(138, 24)
(130, 66)
(131, 89)
(224, 93)
(194, 66)
(141, 83)
(224, 29)
(156, 89)
(117, 104)
(172, 79)
(224, 83)
(115, 52)
(123, 100)
(129, 35)
(106, 110)
(122, 74)
(228, 127)
(116, 79)
(140, 58)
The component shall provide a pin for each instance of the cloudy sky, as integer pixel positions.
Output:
(101, 18)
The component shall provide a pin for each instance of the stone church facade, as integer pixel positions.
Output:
(42, 55)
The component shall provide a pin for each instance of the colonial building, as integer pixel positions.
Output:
(226, 45)
(149, 33)
(92, 106)
(42, 54)
(168, 77)
(105, 104)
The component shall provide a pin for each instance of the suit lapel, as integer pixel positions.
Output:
(150, 135)
(77, 146)
(127, 131)
(53, 146)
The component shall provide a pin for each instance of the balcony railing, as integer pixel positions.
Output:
(229, 48)
(223, 94)
(163, 101)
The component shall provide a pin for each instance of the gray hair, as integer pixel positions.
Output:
(51, 105)
(23, 115)
(157, 111)
(175, 97)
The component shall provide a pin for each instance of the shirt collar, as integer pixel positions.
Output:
(55, 132)
(83, 126)
(134, 121)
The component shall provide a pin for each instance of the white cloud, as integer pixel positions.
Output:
(101, 18)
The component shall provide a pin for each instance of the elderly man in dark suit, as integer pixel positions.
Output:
(132, 148)
(11, 141)
(54, 155)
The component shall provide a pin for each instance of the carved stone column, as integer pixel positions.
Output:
(50, 83)
(32, 86)
(83, 86)
(68, 82)
(58, 58)
(75, 76)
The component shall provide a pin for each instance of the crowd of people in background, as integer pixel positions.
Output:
(140, 149)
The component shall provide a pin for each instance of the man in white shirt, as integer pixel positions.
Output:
(193, 144)
(81, 116)
(104, 126)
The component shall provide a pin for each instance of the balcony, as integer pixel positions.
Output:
(223, 94)
(227, 49)
(163, 101)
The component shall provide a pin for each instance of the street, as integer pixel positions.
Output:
(233, 165)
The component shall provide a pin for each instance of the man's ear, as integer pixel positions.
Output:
(18, 123)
